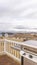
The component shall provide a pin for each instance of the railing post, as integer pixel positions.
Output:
(4, 45)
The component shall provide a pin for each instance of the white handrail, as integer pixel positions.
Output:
(13, 41)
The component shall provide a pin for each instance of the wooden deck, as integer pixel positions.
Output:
(5, 60)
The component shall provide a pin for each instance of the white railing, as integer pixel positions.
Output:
(7, 47)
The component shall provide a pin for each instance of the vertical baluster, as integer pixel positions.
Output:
(10, 48)
(19, 54)
(13, 49)
(1, 46)
(6, 46)
(15, 52)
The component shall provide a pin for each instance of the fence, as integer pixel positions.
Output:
(9, 46)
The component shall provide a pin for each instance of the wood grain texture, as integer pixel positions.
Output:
(5, 60)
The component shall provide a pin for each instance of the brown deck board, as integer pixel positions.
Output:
(5, 60)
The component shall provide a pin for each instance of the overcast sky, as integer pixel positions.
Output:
(18, 12)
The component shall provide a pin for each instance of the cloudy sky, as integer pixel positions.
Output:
(18, 12)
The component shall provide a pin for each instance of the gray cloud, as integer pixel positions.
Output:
(17, 12)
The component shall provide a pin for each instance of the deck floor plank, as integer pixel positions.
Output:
(5, 60)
